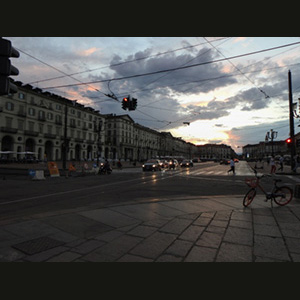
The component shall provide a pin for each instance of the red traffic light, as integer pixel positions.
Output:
(125, 99)
(288, 141)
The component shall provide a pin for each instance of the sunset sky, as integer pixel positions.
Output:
(229, 94)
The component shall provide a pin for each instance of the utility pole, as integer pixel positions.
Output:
(66, 142)
(292, 130)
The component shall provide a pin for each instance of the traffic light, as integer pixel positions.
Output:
(288, 142)
(125, 103)
(129, 103)
(6, 68)
(133, 104)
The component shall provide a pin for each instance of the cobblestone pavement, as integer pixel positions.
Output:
(189, 229)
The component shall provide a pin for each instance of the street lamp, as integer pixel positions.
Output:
(271, 135)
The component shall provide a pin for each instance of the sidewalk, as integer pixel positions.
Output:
(190, 229)
(266, 169)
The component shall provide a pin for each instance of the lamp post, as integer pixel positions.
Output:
(271, 135)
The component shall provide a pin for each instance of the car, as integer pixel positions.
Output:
(224, 162)
(186, 163)
(152, 165)
(164, 164)
(173, 163)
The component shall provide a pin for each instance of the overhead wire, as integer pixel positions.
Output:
(176, 68)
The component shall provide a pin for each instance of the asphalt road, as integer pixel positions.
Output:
(21, 198)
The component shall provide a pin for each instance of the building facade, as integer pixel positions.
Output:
(44, 126)
(215, 151)
(265, 149)
(40, 124)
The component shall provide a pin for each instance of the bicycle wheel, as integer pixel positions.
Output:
(284, 195)
(249, 197)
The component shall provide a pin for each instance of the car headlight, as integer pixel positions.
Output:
(153, 166)
(143, 166)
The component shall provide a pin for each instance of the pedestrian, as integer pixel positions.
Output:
(281, 163)
(232, 167)
(297, 162)
(273, 165)
(119, 164)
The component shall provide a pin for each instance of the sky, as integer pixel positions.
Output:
(202, 89)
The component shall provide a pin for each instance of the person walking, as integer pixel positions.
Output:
(281, 164)
(273, 165)
(232, 167)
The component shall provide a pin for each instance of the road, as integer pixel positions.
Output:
(22, 198)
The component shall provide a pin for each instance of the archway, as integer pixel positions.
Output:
(77, 152)
(48, 150)
(7, 143)
(29, 145)
(89, 152)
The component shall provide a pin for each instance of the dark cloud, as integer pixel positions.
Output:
(162, 90)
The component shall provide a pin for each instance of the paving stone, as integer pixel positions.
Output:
(241, 215)
(266, 230)
(293, 244)
(192, 233)
(169, 258)
(202, 221)
(264, 220)
(142, 231)
(210, 239)
(201, 254)
(179, 248)
(154, 245)
(78, 225)
(133, 258)
(67, 256)
(234, 253)
(88, 246)
(176, 226)
(240, 224)
(239, 236)
(109, 217)
(219, 223)
(223, 215)
(118, 247)
(272, 247)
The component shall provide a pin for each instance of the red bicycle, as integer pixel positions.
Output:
(282, 195)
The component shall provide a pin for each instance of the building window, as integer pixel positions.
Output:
(21, 96)
(49, 116)
(31, 126)
(41, 128)
(31, 111)
(9, 106)
(8, 122)
(42, 115)
(49, 127)
(20, 124)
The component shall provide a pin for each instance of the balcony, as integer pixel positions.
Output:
(49, 136)
(31, 133)
(9, 130)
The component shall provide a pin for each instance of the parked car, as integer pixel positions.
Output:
(152, 165)
(186, 163)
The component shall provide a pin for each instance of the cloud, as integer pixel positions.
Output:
(88, 52)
